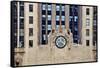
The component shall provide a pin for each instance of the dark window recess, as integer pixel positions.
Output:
(57, 12)
(63, 23)
(43, 31)
(57, 23)
(49, 31)
(30, 43)
(30, 19)
(87, 43)
(22, 21)
(43, 40)
(43, 12)
(21, 3)
(21, 41)
(30, 31)
(87, 11)
(49, 22)
(22, 11)
(43, 22)
(30, 8)
(49, 12)
(63, 13)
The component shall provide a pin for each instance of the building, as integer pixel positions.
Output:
(50, 33)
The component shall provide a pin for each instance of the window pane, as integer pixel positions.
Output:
(49, 17)
(63, 8)
(70, 18)
(57, 7)
(30, 43)
(21, 32)
(30, 19)
(87, 11)
(76, 18)
(49, 27)
(30, 31)
(87, 42)
(63, 18)
(43, 6)
(22, 11)
(30, 8)
(49, 7)
(57, 18)
(87, 32)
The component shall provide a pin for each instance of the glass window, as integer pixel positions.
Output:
(87, 22)
(21, 21)
(63, 27)
(57, 7)
(43, 6)
(21, 32)
(87, 32)
(87, 11)
(30, 8)
(22, 11)
(30, 19)
(49, 7)
(76, 29)
(63, 8)
(30, 31)
(70, 18)
(44, 37)
(63, 18)
(49, 27)
(57, 27)
(87, 43)
(30, 43)
(21, 44)
(49, 17)
(57, 18)
(21, 3)
(76, 18)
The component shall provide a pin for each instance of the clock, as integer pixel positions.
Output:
(60, 41)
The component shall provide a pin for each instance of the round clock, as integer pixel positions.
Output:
(61, 41)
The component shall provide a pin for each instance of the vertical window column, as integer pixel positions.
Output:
(43, 23)
(21, 24)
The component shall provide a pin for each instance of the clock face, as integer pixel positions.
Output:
(60, 41)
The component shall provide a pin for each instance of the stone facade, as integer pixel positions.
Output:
(50, 53)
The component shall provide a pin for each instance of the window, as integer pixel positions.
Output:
(44, 37)
(75, 18)
(30, 31)
(49, 27)
(21, 32)
(30, 43)
(70, 18)
(63, 18)
(30, 8)
(87, 32)
(30, 19)
(57, 18)
(87, 11)
(49, 7)
(87, 22)
(43, 6)
(22, 11)
(87, 42)
(63, 8)
(49, 17)
(21, 21)
(57, 7)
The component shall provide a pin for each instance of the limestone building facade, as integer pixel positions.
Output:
(51, 33)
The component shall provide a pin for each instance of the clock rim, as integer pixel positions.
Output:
(65, 42)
